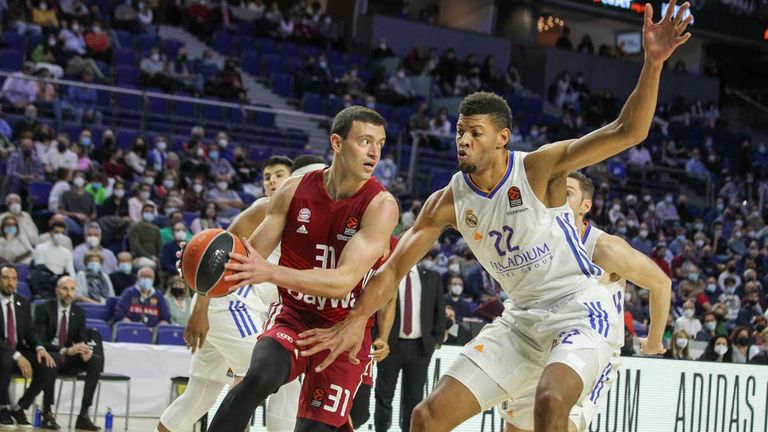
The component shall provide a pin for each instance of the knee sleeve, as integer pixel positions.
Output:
(195, 402)
(282, 407)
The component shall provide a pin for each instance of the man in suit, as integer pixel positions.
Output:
(61, 326)
(418, 328)
(21, 350)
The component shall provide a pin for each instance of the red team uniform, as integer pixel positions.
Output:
(316, 230)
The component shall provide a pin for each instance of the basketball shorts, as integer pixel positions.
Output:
(368, 375)
(326, 397)
(228, 345)
(581, 331)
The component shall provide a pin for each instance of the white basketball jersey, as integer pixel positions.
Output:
(534, 252)
(616, 288)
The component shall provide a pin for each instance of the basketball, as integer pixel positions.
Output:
(203, 260)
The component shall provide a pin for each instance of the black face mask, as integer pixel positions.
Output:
(744, 340)
(61, 147)
(176, 292)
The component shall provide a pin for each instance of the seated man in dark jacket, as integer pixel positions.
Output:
(61, 325)
(22, 351)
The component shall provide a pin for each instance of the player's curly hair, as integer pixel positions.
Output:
(495, 106)
(342, 123)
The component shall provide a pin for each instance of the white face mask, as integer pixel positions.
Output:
(454, 268)
(79, 182)
(457, 289)
(144, 195)
(688, 313)
(57, 238)
(681, 343)
(92, 241)
(197, 187)
(180, 235)
(223, 142)
(15, 208)
(161, 146)
(155, 57)
(119, 193)
(721, 350)
(222, 185)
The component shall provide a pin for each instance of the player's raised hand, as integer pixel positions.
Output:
(249, 269)
(662, 38)
(344, 336)
(652, 348)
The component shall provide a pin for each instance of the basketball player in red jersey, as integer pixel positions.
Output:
(333, 225)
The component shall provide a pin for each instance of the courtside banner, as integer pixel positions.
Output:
(649, 395)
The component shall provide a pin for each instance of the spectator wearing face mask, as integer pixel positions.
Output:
(408, 218)
(93, 284)
(208, 218)
(750, 309)
(730, 272)
(678, 346)
(227, 200)
(179, 300)
(742, 345)
(77, 206)
(712, 328)
(168, 252)
(93, 244)
(61, 156)
(167, 233)
(53, 254)
(386, 170)
(137, 203)
(218, 165)
(117, 203)
(157, 157)
(194, 197)
(144, 239)
(730, 299)
(98, 43)
(123, 277)
(641, 241)
(96, 188)
(688, 322)
(718, 350)
(142, 303)
(736, 244)
(455, 298)
(708, 297)
(27, 227)
(14, 249)
(48, 236)
(666, 211)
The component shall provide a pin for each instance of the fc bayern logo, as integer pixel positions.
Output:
(304, 215)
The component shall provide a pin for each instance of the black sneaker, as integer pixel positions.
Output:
(84, 423)
(49, 422)
(21, 419)
(6, 422)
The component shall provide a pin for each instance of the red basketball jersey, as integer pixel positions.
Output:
(316, 231)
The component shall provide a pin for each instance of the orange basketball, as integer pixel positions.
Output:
(202, 262)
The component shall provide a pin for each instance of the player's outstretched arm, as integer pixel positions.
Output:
(436, 215)
(385, 317)
(631, 127)
(616, 256)
(247, 221)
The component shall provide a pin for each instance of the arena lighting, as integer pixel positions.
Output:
(665, 5)
(634, 6)
(545, 24)
(765, 35)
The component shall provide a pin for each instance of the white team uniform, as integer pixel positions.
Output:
(235, 321)
(582, 413)
(557, 313)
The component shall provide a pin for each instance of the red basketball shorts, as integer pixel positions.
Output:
(326, 397)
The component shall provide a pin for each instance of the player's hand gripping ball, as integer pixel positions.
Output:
(203, 260)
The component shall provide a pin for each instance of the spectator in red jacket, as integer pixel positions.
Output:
(98, 43)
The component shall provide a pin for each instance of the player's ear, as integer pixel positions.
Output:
(336, 140)
(586, 205)
(503, 138)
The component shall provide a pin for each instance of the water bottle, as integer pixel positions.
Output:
(108, 420)
(38, 417)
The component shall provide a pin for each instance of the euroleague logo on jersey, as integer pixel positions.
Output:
(350, 228)
(317, 398)
(515, 197)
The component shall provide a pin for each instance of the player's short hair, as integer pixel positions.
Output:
(278, 160)
(585, 184)
(490, 104)
(306, 160)
(342, 123)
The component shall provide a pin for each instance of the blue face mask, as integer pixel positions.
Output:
(94, 267)
(214, 155)
(11, 230)
(711, 288)
(622, 230)
(96, 186)
(693, 277)
(148, 217)
(85, 141)
(125, 267)
(145, 284)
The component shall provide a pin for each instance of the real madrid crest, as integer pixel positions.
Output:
(470, 219)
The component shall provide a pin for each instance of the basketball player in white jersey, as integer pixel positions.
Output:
(555, 336)
(621, 263)
(222, 331)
